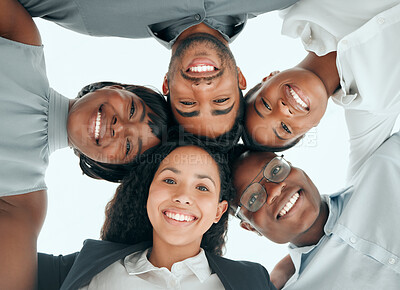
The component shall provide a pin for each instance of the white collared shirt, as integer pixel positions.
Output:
(136, 272)
(366, 36)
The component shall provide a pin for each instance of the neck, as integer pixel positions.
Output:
(165, 255)
(325, 68)
(198, 28)
(316, 231)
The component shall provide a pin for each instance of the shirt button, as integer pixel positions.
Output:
(380, 20)
(392, 261)
(344, 42)
(353, 240)
(197, 17)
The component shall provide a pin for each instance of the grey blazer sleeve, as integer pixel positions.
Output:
(52, 270)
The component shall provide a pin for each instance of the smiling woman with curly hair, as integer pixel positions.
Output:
(165, 226)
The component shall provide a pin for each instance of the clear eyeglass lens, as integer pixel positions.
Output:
(277, 170)
(254, 197)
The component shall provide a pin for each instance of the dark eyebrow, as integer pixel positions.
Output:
(279, 137)
(174, 170)
(201, 176)
(189, 114)
(143, 111)
(222, 112)
(257, 111)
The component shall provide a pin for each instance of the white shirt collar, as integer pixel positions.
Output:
(138, 263)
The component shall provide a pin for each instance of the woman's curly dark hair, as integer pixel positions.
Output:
(159, 122)
(126, 215)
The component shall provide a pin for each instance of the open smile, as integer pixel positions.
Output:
(288, 207)
(98, 126)
(202, 67)
(179, 217)
(297, 99)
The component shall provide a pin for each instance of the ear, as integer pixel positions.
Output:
(242, 80)
(248, 227)
(165, 88)
(221, 209)
(271, 75)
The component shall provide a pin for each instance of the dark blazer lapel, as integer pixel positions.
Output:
(221, 273)
(94, 257)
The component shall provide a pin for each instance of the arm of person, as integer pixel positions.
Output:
(282, 272)
(367, 131)
(21, 218)
(16, 24)
(52, 270)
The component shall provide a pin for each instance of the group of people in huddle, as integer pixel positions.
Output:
(202, 150)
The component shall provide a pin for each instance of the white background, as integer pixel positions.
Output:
(76, 203)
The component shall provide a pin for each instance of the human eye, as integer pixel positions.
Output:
(285, 128)
(275, 170)
(265, 104)
(202, 188)
(220, 101)
(253, 199)
(187, 103)
(169, 181)
(132, 111)
(128, 147)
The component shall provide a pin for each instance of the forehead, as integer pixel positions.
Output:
(192, 158)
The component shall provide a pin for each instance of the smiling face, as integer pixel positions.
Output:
(286, 106)
(292, 206)
(203, 83)
(183, 200)
(110, 125)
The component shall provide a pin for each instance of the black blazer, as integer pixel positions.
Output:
(77, 270)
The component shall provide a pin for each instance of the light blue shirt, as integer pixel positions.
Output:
(361, 245)
(33, 118)
(163, 20)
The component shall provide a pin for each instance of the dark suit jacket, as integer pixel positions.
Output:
(77, 270)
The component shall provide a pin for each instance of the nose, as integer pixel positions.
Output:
(202, 84)
(182, 195)
(122, 129)
(274, 190)
(283, 107)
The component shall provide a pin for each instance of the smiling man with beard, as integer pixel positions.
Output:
(203, 83)
(346, 240)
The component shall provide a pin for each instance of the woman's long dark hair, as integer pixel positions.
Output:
(126, 215)
(159, 122)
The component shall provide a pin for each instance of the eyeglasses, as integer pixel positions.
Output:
(255, 195)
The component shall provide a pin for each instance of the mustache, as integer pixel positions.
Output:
(199, 79)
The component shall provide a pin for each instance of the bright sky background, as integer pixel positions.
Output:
(76, 203)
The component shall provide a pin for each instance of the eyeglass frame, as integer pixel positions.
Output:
(237, 212)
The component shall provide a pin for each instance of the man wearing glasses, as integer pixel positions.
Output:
(338, 241)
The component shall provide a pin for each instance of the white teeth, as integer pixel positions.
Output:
(297, 98)
(202, 68)
(179, 217)
(97, 126)
(289, 204)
